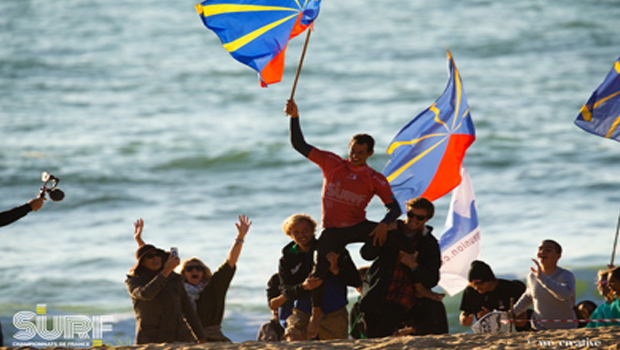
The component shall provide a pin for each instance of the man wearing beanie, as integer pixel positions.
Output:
(486, 293)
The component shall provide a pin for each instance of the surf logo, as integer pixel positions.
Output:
(49, 328)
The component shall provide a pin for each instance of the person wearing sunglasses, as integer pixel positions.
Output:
(161, 305)
(207, 291)
(397, 287)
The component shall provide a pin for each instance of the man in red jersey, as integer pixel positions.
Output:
(348, 187)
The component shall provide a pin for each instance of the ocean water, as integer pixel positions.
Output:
(141, 113)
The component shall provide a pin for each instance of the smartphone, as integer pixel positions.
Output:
(174, 251)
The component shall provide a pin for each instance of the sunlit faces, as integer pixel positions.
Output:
(548, 253)
(302, 234)
(358, 153)
(416, 218)
(152, 261)
(193, 273)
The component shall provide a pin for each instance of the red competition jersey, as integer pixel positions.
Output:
(347, 189)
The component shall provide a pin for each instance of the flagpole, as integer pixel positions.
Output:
(301, 63)
(613, 252)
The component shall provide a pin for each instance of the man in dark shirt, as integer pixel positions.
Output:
(486, 293)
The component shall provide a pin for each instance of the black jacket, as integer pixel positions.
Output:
(10, 216)
(296, 265)
(379, 276)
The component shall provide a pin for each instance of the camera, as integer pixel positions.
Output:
(174, 251)
(50, 187)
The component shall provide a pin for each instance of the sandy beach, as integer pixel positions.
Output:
(596, 338)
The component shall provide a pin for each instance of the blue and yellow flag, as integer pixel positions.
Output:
(601, 114)
(256, 32)
(426, 155)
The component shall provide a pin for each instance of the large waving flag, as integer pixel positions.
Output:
(460, 241)
(426, 155)
(256, 32)
(601, 114)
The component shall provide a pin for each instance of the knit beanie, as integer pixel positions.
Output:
(480, 272)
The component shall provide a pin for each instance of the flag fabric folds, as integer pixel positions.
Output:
(256, 32)
(460, 241)
(601, 114)
(426, 155)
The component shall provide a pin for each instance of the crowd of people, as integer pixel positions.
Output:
(308, 294)
(180, 307)
(395, 290)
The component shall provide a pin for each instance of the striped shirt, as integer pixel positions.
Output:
(553, 297)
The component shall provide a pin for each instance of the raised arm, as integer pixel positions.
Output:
(297, 137)
(137, 232)
(242, 229)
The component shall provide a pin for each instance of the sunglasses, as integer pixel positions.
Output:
(412, 215)
(194, 268)
(151, 255)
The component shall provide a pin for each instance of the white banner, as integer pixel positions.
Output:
(460, 241)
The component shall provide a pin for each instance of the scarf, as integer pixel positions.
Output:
(194, 291)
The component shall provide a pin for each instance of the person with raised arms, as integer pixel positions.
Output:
(207, 290)
(348, 186)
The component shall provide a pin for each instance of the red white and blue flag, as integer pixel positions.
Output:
(426, 155)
